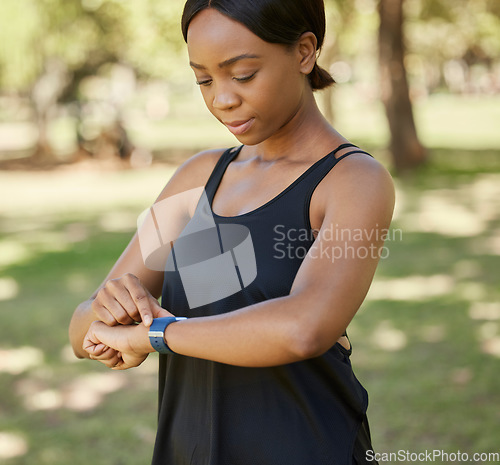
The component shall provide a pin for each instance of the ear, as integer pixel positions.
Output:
(306, 49)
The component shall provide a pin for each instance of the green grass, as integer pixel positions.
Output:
(444, 121)
(424, 346)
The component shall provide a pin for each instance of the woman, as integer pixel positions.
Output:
(262, 374)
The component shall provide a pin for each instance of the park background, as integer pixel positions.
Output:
(97, 108)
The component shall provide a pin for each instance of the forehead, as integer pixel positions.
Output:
(212, 34)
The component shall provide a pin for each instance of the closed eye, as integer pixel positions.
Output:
(207, 82)
(245, 78)
(204, 83)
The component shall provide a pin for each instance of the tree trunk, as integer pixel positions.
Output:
(43, 153)
(407, 151)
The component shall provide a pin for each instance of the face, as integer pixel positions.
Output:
(251, 86)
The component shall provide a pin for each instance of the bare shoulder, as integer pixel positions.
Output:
(365, 173)
(358, 182)
(193, 173)
(198, 168)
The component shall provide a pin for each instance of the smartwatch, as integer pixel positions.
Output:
(157, 333)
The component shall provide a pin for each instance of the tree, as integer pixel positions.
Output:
(468, 36)
(50, 46)
(406, 149)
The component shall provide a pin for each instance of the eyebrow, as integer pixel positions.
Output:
(227, 63)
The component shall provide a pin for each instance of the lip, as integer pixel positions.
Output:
(240, 127)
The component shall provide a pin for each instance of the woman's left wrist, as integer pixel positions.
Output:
(141, 342)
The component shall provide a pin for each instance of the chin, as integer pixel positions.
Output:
(252, 138)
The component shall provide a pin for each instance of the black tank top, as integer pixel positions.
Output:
(311, 412)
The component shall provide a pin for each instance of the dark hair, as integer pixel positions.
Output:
(275, 21)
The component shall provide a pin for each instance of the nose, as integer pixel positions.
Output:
(225, 99)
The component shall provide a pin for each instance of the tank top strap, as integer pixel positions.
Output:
(322, 167)
(298, 192)
(218, 172)
(317, 173)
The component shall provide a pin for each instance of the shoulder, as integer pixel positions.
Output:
(358, 182)
(363, 172)
(198, 168)
(193, 173)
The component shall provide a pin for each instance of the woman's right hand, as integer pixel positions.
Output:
(125, 300)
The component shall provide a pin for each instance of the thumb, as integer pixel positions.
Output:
(158, 311)
(163, 313)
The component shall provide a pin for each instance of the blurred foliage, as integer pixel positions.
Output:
(453, 37)
(97, 66)
(86, 34)
(145, 34)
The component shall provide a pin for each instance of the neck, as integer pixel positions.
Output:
(304, 134)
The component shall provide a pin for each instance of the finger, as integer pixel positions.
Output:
(110, 300)
(117, 362)
(107, 354)
(120, 364)
(113, 362)
(140, 296)
(95, 349)
(110, 358)
(102, 307)
(110, 309)
(162, 313)
(121, 294)
(101, 312)
(91, 342)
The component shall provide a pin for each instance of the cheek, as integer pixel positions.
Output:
(208, 99)
(279, 94)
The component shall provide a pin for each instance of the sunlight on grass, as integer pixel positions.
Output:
(66, 191)
(88, 391)
(471, 291)
(489, 338)
(443, 216)
(83, 393)
(491, 346)
(12, 253)
(466, 212)
(12, 445)
(485, 311)
(412, 288)
(469, 122)
(9, 288)
(49, 399)
(118, 221)
(44, 241)
(16, 361)
(387, 337)
(492, 244)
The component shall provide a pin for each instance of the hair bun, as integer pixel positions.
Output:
(320, 78)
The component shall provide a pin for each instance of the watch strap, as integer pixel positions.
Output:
(157, 333)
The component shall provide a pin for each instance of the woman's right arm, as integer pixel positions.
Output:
(130, 291)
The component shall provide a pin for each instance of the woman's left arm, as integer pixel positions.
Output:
(329, 288)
